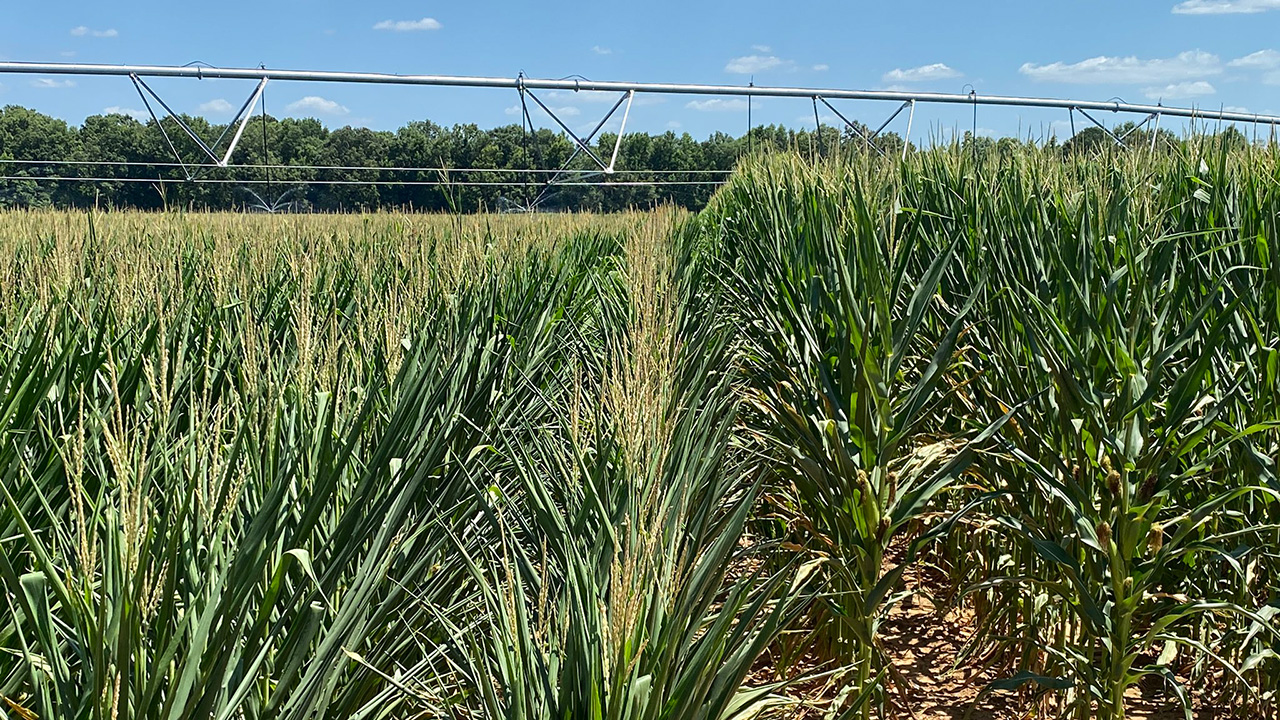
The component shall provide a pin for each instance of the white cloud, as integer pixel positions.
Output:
(117, 110)
(674, 124)
(68, 53)
(1261, 60)
(828, 120)
(1235, 109)
(52, 83)
(1190, 65)
(565, 111)
(924, 73)
(1060, 128)
(1180, 91)
(749, 64)
(82, 30)
(217, 107)
(601, 50)
(316, 105)
(821, 67)
(409, 25)
(718, 104)
(762, 48)
(1224, 7)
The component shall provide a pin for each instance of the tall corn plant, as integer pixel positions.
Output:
(1254, 195)
(848, 359)
(1124, 475)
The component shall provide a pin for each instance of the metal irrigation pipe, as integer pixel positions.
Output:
(576, 85)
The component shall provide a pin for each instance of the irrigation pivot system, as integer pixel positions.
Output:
(217, 157)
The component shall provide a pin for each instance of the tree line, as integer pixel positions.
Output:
(299, 164)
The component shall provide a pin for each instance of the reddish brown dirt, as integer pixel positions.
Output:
(924, 644)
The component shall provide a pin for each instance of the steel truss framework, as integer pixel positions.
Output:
(545, 180)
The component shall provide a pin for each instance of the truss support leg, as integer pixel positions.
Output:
(244, 121)
(896, 113)
(240, 121)
(852, 126)
(869, 139)
(1105, 129)
(583, 146)
(1138, 127)
(137, 83)
(185, 127)
(527, 122)
(817, 124)
(617, 145)
(906, 140)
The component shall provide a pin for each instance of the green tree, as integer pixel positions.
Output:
(1089, 140)
(355, 147)
(117, 139)
(32, 136)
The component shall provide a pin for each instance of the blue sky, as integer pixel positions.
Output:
(1207, 53)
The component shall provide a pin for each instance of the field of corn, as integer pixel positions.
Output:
(656, 465)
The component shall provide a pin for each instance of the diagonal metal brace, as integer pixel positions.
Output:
(617, 144)
(1138, 127)
(1105, 129)
(582, 146)
(240, 121)
(243, 117)
(142, 85)
(163, 132)
(895, 114)
(853, 126)
(906, 139)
